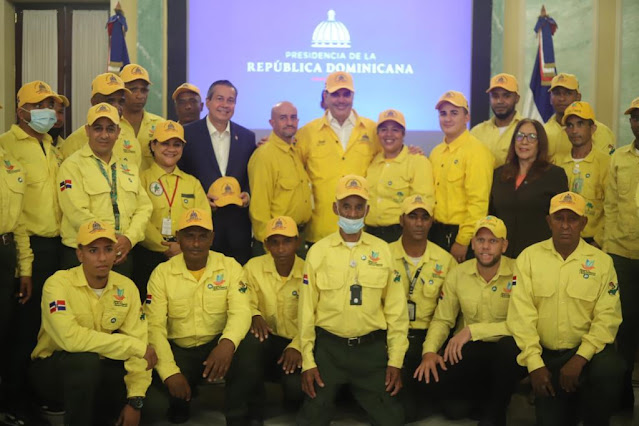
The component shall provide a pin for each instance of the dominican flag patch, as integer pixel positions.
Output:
(65, 184)
(57, 305)
(149, 299)
(514, 280)
(305, 279)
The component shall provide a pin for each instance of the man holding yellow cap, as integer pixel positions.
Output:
(95, 184)
(188, 103)
(28, 144)
(171, 192)
(279, 183)
(586, 168)
(621, 242)
(564, 314)
(463, 172)
(199, 311)
(338, 143)
(395, 175)
(92, 353)
(275, 281)
(352, 317)
(564, 90)
(422, 267)
(480, 290)
(141, 122)
(497, 132)
(108, 88)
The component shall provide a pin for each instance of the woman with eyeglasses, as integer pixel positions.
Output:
(522, 188)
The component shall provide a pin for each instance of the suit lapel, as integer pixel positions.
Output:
(234, 152)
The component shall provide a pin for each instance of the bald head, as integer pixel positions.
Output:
(284, 120)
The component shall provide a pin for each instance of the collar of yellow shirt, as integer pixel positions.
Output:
(86, 151)
(567, 159)
(279, 142)
(429, 253)
(457, 143)
(326, 122)
(296, 272)
(335, 239)
(514, 121)
(21, 135)
(583, 248)
(156, 171)
(379, 158)
(81, 280)
(214, 263)
(505, 269)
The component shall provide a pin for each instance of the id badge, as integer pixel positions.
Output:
(356, 294)
(412, 309)
(166, 226)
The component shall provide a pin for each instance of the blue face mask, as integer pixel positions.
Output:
(42, 120)
(350, 226)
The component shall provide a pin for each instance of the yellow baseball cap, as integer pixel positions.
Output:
(352, 185)
(94, 230)
(63, 100)
(227, 190)
(569, 81)
(569, 201)
(195, 217)
(34, 92)
(414, 202)
(134, 72)
(169, 129)
(107, 83)
(281, 225)
(453, 97)
(505, 81)
(392, 115)
(185, 87)
(633, 105)
(339, 80)
(580, 109)
(103, 110)
(494, 225)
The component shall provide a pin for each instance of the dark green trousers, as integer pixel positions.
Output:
(91, 390)
(390, 233)
(414, 394)
(145, 262)
(240, 388)
(363, 367)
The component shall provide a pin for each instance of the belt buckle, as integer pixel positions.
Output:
(354, 341)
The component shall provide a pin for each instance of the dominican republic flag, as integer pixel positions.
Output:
(537, 104)
(65, 184)
(118, 53)
(149, 299)
(57, 305)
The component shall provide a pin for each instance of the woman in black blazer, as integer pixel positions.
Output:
(522, 188)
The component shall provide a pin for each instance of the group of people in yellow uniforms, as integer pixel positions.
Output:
(110, 204)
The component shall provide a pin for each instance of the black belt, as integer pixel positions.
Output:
(416, 333)
(353, 341)
(6, 239)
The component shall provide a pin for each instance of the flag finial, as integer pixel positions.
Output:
(543, 10)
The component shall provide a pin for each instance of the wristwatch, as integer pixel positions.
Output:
(136, 402)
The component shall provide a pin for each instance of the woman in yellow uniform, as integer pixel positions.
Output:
(172, 192)
(394, 175)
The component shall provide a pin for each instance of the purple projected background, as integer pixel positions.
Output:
(402, 55)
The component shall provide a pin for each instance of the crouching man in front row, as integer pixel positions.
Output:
(92, 322)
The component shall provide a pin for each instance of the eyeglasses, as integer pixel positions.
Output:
(530, 137)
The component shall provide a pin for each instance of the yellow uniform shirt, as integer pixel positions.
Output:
(559, 144)
(484, 305)
(279, 185)
(498, 143)
(621, 228)
(12, 188)
(188, 195)
(435, 264)
(126, 147)
(144, 136)
(40, 163)
(191, 313)
(463, 172)
(330, 270)
(562, 304)
(273, 298)
(85, 194)
(326, 161)
(74, 319)
(392, 180)
(588, 178)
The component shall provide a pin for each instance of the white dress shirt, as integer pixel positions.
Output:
(221, 144)
(344, 131)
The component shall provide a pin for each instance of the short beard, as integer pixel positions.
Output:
(504, 115)
(495, 261)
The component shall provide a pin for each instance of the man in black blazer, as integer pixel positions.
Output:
(218, 147)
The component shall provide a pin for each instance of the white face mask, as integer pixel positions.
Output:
(350, 226)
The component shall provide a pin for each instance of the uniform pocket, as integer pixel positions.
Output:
(178, 308)
(112, 319)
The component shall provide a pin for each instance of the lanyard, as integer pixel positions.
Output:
(411, 287)
(113, 184)
(177, 181)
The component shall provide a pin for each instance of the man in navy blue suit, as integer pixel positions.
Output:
(218, 147)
